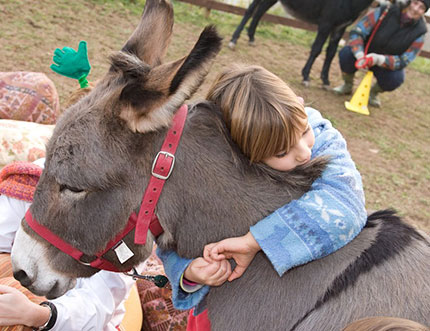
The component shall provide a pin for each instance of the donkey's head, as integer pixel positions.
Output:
(93, 179)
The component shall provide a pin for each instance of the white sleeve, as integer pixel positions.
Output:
(12, 212)
(96, 303)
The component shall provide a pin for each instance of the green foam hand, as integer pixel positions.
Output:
(72, 64)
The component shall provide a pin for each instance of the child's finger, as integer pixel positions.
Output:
(237, 273)
(206, 252)
(216, 253)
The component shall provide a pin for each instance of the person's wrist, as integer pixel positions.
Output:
(41, 322)
(252, 243)
(188, 275)
(37, 315)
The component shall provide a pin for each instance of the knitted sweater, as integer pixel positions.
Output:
(323, 220)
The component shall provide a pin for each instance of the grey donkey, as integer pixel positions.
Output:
(99, 163)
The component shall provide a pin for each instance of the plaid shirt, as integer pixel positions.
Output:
(362, 31)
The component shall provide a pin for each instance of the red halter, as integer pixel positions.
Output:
(162, 167)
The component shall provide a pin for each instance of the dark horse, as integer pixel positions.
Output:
(99, 163)
(331, 16)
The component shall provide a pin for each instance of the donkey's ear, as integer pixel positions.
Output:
(151, 38)
(197, 64)
(151, 102)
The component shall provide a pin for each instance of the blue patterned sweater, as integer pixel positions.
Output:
(323, 220)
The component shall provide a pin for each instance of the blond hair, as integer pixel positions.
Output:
(263, 114)
(380, 323)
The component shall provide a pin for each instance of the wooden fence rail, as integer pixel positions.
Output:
(211, 4)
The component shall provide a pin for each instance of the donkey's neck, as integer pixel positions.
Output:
(214, 192)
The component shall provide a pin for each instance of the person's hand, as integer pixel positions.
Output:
(241, 249)
(17, 309)
(212, 273)
(374, 59)
(72, 64)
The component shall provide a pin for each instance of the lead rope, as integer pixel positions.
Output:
(158, 280)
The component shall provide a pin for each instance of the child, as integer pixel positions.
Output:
(270, 125)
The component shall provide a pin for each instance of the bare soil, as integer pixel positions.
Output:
(391, 147)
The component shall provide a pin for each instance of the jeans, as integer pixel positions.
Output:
(387, 79)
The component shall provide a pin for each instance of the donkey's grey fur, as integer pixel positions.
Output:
(98, 164)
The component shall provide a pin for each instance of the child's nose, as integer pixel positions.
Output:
(304, 153)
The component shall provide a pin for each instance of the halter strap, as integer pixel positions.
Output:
(162, 167)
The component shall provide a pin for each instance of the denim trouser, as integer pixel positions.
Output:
(387, 79)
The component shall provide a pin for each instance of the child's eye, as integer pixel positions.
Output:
(280, 155)
(307, 129)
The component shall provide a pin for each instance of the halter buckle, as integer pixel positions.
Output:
(166, 154)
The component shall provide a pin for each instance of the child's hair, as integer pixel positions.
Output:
(380, 323)
(263, 114)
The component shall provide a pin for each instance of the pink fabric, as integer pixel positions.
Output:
(18, 180)
(200, 322)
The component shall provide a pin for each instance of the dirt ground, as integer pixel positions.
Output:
(391, 147)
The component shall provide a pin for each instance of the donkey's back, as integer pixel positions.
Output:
(385, 271)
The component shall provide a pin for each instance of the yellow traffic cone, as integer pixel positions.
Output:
(360, 99)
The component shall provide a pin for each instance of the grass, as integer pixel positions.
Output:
(391, 147)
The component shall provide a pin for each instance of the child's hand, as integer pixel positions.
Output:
(241, 249)
(17, 309)
(213, 273)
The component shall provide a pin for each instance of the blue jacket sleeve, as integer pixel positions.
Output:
(175, 266)
(324, 219)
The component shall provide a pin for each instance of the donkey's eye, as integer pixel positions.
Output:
(70, 188)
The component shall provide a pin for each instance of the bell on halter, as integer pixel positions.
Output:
(360, 99)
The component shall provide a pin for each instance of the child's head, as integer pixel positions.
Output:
(265, 117)
(381, 323)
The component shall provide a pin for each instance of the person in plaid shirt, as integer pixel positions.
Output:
(396, 43)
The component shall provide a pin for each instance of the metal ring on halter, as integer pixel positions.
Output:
(88, 264)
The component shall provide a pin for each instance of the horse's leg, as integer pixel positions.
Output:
(323, 33)
(248, 13)
(264, 6)
(330, 53)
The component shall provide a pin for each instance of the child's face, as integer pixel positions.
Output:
(299, 154)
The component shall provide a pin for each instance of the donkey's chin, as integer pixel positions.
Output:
(32, 269)
(53, 289)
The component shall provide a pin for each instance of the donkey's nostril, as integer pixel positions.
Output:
(22, 277)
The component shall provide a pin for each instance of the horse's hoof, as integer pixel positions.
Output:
(306, 83)
(326, 87)
(231, 45)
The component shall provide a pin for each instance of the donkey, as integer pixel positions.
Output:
(99, 162)
(331, 16)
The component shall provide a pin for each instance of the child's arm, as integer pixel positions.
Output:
(198, 271)
(333, 209)
(323, 220)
